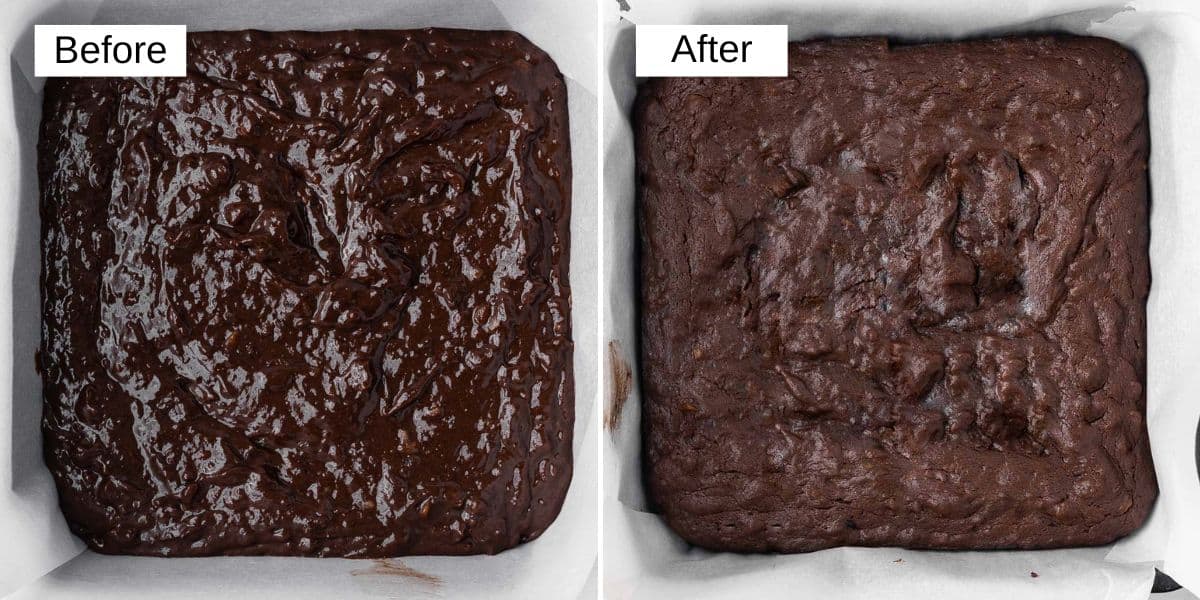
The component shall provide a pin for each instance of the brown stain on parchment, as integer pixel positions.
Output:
(622, 385)
(393, 568)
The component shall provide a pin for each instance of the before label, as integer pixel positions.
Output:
(110, 50)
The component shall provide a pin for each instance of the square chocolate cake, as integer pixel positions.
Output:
(897, 298)
(312, 298)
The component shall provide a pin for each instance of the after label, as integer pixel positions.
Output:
(711, 51)
(708, 49)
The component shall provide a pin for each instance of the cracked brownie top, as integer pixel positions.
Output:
(898, 297)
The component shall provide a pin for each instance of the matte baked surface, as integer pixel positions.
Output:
(898, 298)
(312, 298)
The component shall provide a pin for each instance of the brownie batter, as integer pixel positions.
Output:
(310, 299)
(898, 297)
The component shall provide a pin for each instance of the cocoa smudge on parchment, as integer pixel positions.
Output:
(622, 385)
(395, 568)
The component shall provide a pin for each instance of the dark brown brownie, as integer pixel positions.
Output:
(898, 297)
(312, 298)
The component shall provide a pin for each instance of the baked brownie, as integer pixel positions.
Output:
(898, 297)
(310, 299)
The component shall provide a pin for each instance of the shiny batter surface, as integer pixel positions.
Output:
(898, 298)
(312, 298)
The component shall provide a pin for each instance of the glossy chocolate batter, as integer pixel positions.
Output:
(312, 298)
(898, 297)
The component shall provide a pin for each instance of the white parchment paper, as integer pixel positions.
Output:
(40, 559)
(643, 559)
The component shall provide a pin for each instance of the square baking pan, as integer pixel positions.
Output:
(644, 559)
(40, 558)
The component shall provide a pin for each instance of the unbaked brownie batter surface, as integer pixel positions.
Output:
(312, 298)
